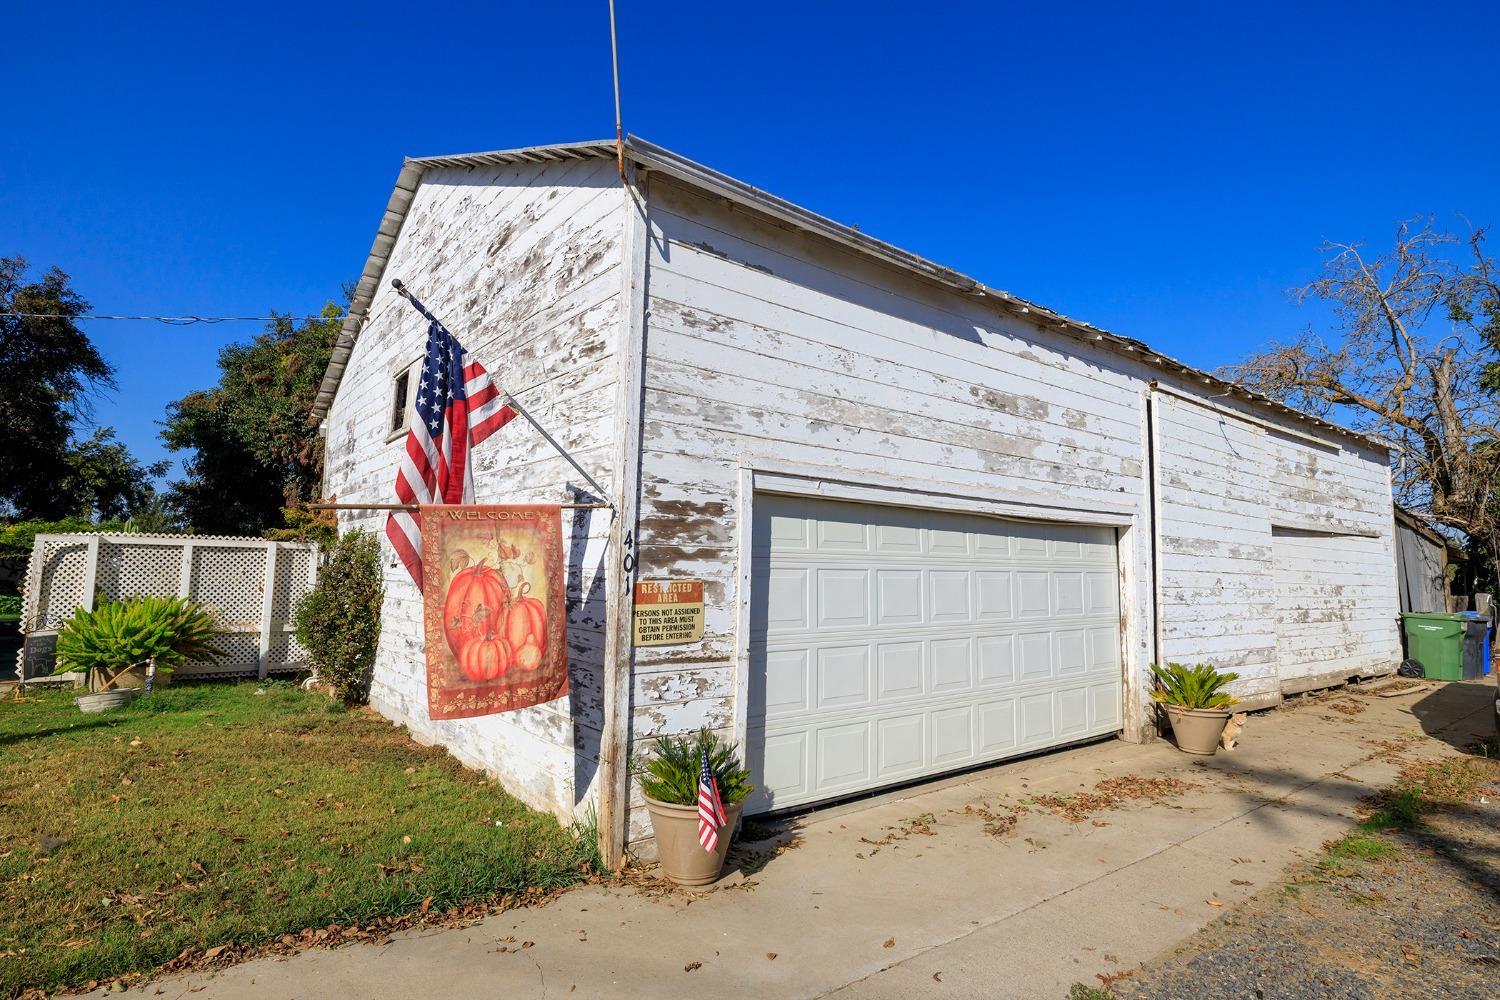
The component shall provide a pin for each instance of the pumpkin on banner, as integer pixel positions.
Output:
(476, 601)
(485, 659)
(526, 628)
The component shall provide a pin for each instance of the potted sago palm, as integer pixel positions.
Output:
(692, 836)
(1195, 704)
(121, 644)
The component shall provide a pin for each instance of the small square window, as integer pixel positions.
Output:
(399, 394)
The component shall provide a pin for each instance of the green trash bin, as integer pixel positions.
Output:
(1437, 642)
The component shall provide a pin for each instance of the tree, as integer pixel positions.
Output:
(254, 447)
(47, 367)
(102, 479)
(1413, 362)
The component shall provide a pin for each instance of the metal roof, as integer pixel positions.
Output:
(649, 156)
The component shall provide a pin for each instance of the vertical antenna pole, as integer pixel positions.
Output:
(614, 53)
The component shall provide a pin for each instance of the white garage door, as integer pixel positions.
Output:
(889, 644)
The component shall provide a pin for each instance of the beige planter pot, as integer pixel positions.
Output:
(135, 677)
(682, 858)
(1197, 730)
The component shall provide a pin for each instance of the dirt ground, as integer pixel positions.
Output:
(1406, 906)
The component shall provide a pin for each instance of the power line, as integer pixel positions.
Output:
(173, 320)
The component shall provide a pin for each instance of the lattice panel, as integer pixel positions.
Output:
(226, 575)
(241, 656)
(63, 568)
(287, 655)
(228, 581)
(132, 570)
(293, 579)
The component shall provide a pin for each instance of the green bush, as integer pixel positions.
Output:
(10, 605)
(670, 774)
(1192, 687)
(120, 634)
(338, 622)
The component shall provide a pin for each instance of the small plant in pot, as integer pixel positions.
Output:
(121, 644)
(1195, 703)
(669, 778)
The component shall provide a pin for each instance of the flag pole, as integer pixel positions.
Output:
(511, 400)
(614, 57)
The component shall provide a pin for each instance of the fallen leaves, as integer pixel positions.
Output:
(1111, 793)
(692, 967)
(889, 943)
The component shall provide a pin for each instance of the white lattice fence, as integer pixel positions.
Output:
(251, 586)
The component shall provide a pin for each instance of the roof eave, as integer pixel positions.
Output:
(650, 156)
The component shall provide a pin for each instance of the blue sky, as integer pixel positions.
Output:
(1166, 172)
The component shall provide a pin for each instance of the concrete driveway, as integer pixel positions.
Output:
(932, 892)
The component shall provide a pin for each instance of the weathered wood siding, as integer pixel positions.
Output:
(766, 346)
(523, 264)
(1227, 487)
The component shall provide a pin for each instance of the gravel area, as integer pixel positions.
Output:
(1395, 913)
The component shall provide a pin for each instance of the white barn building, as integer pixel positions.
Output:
(937, 525)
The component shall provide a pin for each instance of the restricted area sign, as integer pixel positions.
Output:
(668, 611)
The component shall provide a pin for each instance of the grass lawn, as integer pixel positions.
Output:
(214, 814)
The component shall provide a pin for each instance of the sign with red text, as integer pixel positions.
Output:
(668, 612)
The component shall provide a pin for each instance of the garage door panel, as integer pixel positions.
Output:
(899, 671)
(784, 765)
(997, 659)
(843, 598)
(994, 592)
(898, 597)
(948, 595)
(842, 756)
(952, 667)
(1033, 594)
(997, 726)
(901, 643)
(1072, 706)
(786, 600)
(1104, 705)
(1069, 649)
(1103, 649)
(1036, 718)
(1036, 655)
(952, 738)
(843, 677)
(786, 685)
(901, 745)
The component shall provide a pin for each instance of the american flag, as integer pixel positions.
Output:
(710, 807)
(457, 407)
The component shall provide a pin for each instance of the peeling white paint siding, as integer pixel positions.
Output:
(1261, 532)
(766, 346)
(523, 264)
(771, 351)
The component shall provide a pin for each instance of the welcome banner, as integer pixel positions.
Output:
(493, 581)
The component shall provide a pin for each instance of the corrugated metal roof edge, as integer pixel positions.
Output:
(653, 157)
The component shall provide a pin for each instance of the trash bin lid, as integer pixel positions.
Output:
(1437, 616)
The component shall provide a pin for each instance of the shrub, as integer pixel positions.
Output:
(120, 634)
(1192, 687)
(338, 622)
(10, 605)
(670, 774)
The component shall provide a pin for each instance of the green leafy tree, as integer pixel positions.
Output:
(48, 366)
(102, 479)
(253, 446)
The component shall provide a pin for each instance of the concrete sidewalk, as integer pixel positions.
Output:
(907, 895)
